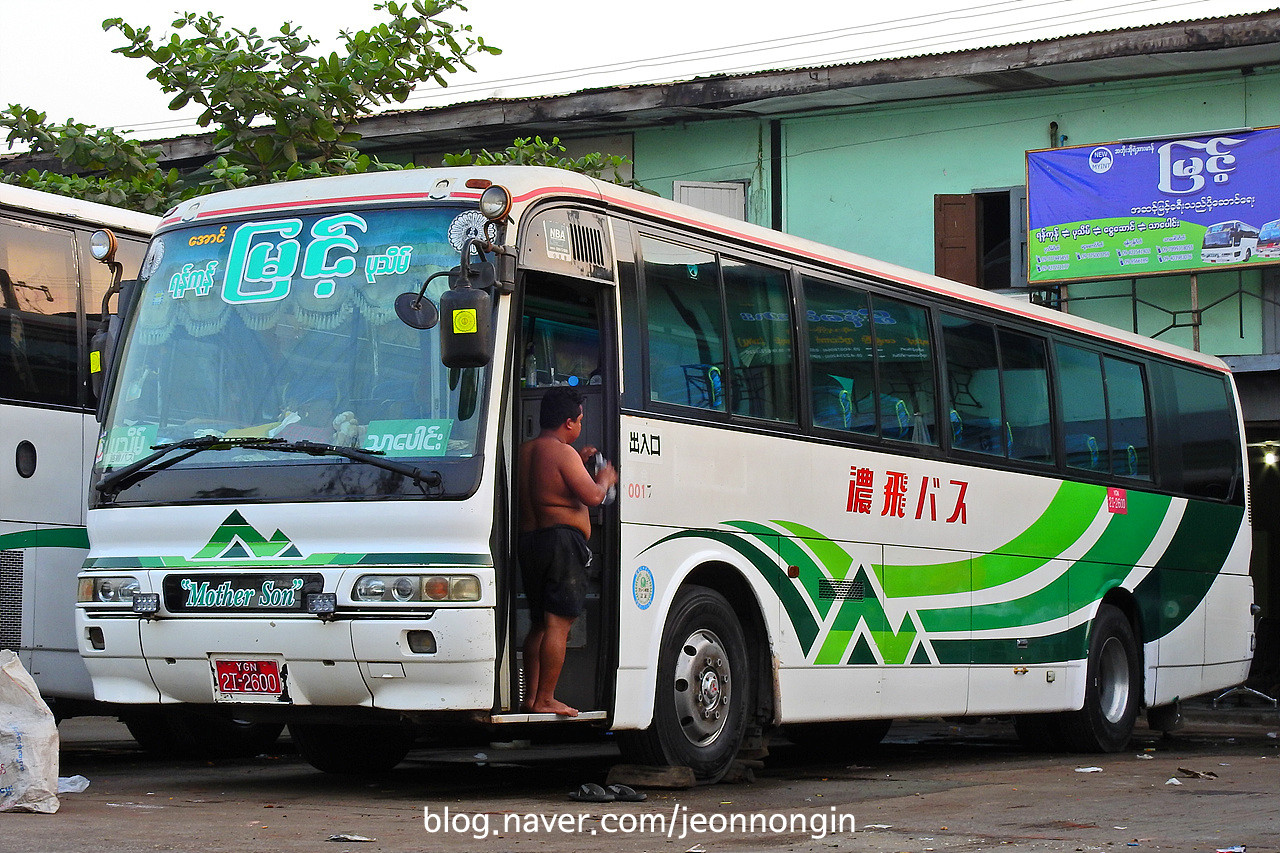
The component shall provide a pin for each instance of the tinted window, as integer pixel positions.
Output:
(973, 387)
(1127, 413)
(38, 302)
(1084, 408)
(999, 395)
(841, 362)
(759, 308)
(904, 368)
(686, 326)
(1025, 377)
(1104, 405)
(1210, 439)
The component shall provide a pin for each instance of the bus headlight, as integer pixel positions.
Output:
(407, 589)
(107, 590)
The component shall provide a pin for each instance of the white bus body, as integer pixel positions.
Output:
(51, 293)
(824, 512)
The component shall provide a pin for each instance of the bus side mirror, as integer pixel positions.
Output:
(466, 328)
(103, 245)
(103, 343)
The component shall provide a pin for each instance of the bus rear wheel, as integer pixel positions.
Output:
(1113, 687)
(351, 750)
(701, 700)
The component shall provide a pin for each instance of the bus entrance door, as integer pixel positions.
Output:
(562, 345)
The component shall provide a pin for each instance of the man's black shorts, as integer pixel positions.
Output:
(553, 562)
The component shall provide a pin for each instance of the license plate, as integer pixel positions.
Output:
(248, 677)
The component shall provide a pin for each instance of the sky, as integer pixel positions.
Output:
(65, 66)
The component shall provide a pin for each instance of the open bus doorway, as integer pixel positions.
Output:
(565, 342)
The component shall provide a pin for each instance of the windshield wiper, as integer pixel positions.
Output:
(111, 484)
(375, 458)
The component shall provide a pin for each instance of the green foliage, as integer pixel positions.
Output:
(277, 111)
(536, 151)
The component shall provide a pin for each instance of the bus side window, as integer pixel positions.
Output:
(1024, 376)
(841, 366)
(1084, 413)
(685, 325)
(759, 307)
(973, 386)
(38, 299)
(1127, 414)
(904, 369)
(1208, 445)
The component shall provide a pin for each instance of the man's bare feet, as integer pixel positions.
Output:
(553, 707)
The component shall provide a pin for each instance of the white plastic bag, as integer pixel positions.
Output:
(28, 742)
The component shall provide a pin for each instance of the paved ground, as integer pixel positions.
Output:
(932, 786)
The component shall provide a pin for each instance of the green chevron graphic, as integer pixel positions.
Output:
(853, 627)
(238, 544)
(237, 539)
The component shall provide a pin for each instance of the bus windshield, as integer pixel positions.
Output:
(1270, 231)
(283, 328)
(1218, 238)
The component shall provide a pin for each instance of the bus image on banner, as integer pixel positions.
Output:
(849, 492)
(1229, 242)
(1269, 240)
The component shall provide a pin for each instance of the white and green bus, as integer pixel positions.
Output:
(849, 492)
(51, 291)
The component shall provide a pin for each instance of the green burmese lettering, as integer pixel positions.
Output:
(254, 263)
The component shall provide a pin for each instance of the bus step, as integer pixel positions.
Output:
(583, 716)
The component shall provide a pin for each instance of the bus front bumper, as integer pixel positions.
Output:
(362, 662)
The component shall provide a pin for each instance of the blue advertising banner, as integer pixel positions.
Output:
(1153, 207)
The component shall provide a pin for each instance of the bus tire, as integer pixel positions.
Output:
(190, 732)
(1113, 687)
(351, 750)
(704, 686)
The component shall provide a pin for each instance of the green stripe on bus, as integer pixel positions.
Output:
(802, 620)
(793, 555)
(1188, 567)
(46, 537)
(1060, 526)
(1126, 538)
(1068, 645)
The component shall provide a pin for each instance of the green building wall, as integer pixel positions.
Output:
(864, 178)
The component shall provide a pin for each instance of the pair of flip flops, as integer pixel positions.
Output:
(593, 793)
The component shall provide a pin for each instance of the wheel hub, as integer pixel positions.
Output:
(702, 687)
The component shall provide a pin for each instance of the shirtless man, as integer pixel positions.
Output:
(555, 492)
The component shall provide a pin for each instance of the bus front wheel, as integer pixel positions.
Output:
(701, 700)
(351, 750)
(1113, 688)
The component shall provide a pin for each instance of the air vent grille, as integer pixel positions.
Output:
(10, 599)
(829, 590)
(588, 244)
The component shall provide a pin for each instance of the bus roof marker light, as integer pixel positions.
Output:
(103, 245)
(495, 203)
